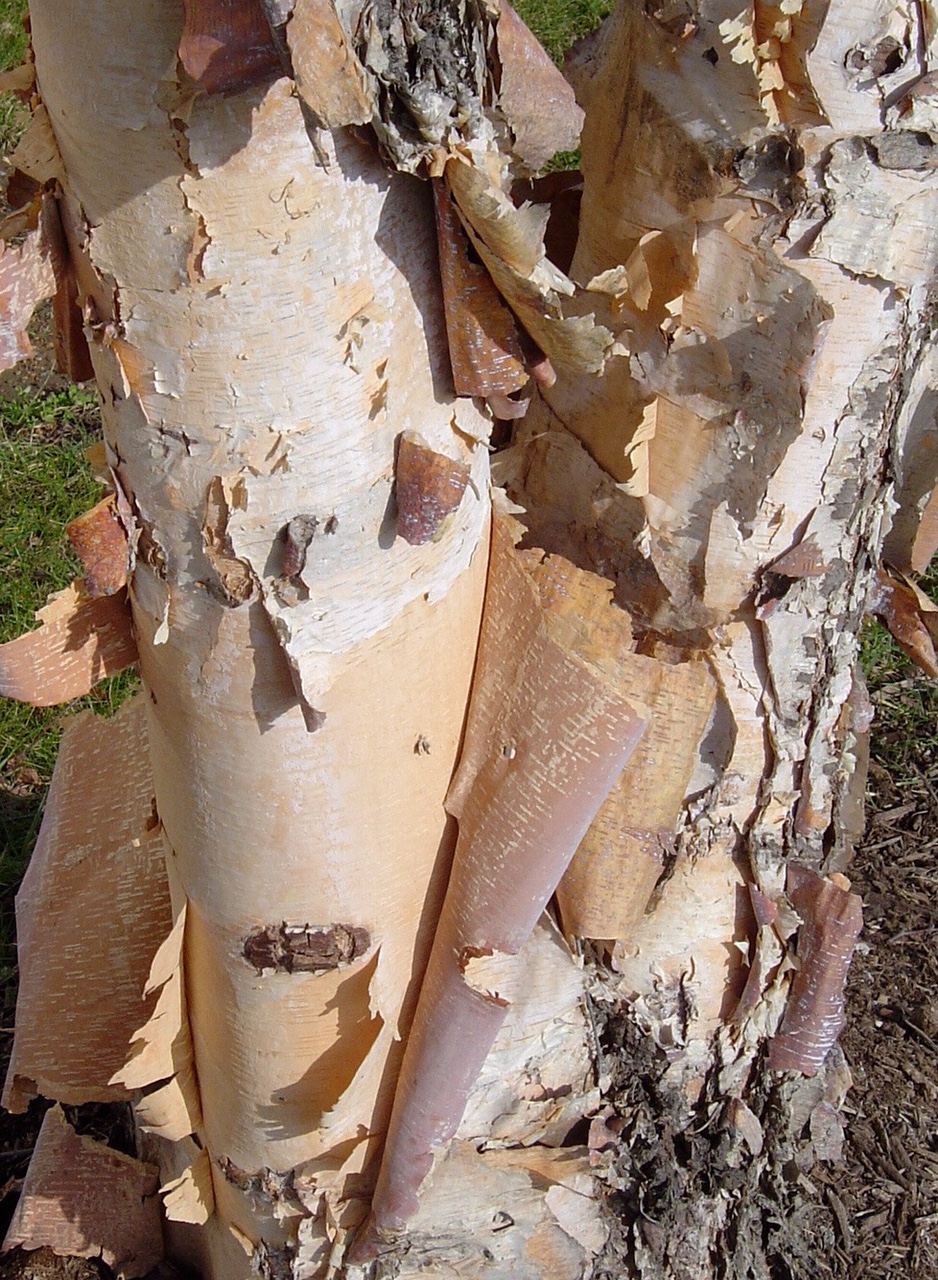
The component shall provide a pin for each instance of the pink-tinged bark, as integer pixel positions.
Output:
(832, 918)
(548, 736)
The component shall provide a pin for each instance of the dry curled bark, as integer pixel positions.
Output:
(726, 382)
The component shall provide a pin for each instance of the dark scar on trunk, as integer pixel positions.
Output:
(304, 948)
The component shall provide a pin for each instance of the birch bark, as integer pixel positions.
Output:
(734, 399)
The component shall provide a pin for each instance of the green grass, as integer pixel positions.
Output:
(13, 114)
(45, 481)
(560, 23)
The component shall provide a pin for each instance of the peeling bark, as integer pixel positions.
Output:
(727, 365)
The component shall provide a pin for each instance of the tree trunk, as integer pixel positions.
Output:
(362, 1046)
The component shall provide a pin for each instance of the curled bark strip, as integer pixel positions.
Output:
(302, 948)
(549, 732)
(765, 913)
(897, 606)
(227, 45)
(108, 911)
(82, 1199)
(429, 488)
(83, 643)
(99, 539)
(814, 1016)
(535, 99)
(484, 347)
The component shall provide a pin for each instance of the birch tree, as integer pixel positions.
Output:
(431, 779)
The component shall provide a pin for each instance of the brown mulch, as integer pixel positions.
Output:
(888, 1186)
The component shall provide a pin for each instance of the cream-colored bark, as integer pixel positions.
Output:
(731, 370)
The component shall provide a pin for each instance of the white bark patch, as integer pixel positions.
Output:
(537, 1080)
(884, 222)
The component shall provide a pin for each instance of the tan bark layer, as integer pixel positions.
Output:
(81, 641)
(91, 912)
(266, 322)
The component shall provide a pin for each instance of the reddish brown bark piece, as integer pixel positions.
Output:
(806, 560)
(548, 735)
(484, 346)
(99, 540)
(535, 99)
(26, 278)
(814, 1016)
(429, 487)
(72, 355)
(65, 658)
(226, 45)
(82, 1199)
(897, 607)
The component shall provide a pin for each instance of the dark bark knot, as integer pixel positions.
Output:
(303, 948)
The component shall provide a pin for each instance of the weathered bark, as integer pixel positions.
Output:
(731, 393)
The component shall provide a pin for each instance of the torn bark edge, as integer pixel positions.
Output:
(536, 768)
(83, 1199)
(161, 1050)
(814, 1016)
(79, 644)
(99, 538)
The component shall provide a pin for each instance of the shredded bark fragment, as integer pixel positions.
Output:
(227, 45)
(99, 539)
(535, 99)
(484, 347)
(896, 604)
(298, 534)
(428, 486)
(190, 1198)
(83, 1199)
(303, 948)
(814, 1016)
(81, 642)
(925, 543)
(236, 583)
(329, 77)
